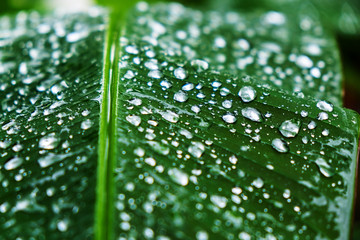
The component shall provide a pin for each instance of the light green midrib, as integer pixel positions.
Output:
(105, 188)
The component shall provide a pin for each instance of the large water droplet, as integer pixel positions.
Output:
(279, 145)
(324, 167)
(86, 124)
(179, 176)
(252, 114)
(290, 128)
(325, 106)
(247, 93)
(49, 141)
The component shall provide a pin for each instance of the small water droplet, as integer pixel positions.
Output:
(325, 169)
(155, 74)
(304, 61)
(49, 141)
(325, 106)
(134, 120)
(181, 96)
(227, 104)
(219, 201)
(229, 118)
(233, 159)
(323, 116)
(179, 176)
(86, 124)
(258, 183)
(62, 225)
(290, 128)
(312, 125)
(252, 114)
(170, 116)
(180, 73)
(196, 149)
(247, 94)
(280, 145)
(13, 163)
(199, 65)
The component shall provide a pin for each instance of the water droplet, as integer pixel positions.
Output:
(219, 201)
(304, 61)
(62, 225)
(236, 190)
(244, 236)
(312, 125)
(202, 235)
(220, 42)
(199, 65)
(290, 128)
(170, 116)
(49, 141)
(258, 183)
(196, 149)
(86, 124)
(279, 145)
(324, 167)
(180, 73)
(233, 159)
(13, 163)
(229, 118)
(181, 96)
(325, 132)
(247, 93)
(155, 74)
(179, 176)
(325, 106)
(323, 116)
(134, 120)
(227, 104)
(252, 114)
(275, 18)
(165, 84)
(150, 161)
(304, 113)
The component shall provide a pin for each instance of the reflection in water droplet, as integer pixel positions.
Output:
(49, 141)
(247, 93)
(252, 114)
(290, 128)
(258, 183)
(279, 145)
(325, 169)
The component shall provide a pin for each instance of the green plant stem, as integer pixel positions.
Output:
(104, 209)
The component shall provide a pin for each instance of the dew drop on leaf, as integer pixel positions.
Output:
(13, 163)
(229, 118)
(180, 96)
(199, 65)
(49, 141)
(325, 106)
(252, 114)
(247, 94)
(180, 73)
(290, 128)
(179, 176)
(324, 167)
(279, 145)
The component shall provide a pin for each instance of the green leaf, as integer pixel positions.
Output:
(212, 156)
(94, 143)
(273, 47)
(50, 89)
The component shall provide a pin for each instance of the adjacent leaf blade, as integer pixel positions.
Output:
(200, 158)
(276, 48)
(50, 71)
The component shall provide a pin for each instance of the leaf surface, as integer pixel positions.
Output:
(50, 89)
(206, 155)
